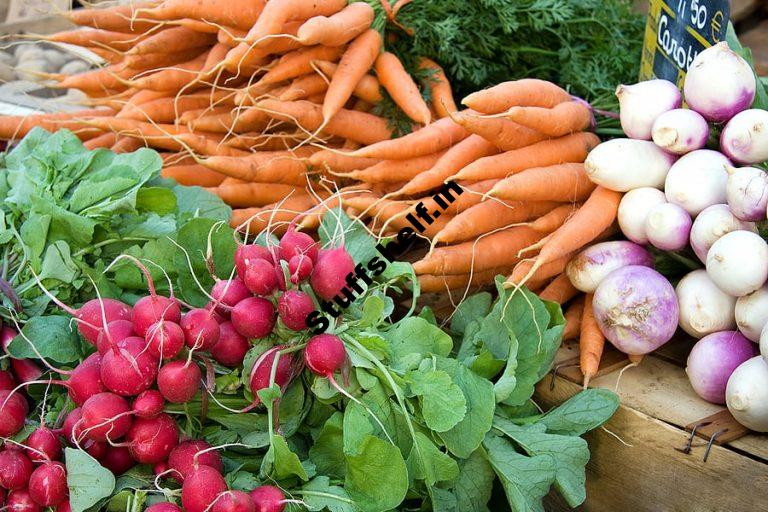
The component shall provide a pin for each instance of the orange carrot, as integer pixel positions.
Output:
(173, 78)
(229, 36)
(274, 217)
(504, 134)
(339, 163)
(243, 59)
(277, 12)
(552, 220)
(439, 284)
(435, 137)
(384, 210)
(524, 270)
(297, 63)
(237, 13)
(573, 319)
(439, 88)
(339, 28)
(571, 148)
(562, 119)
(564, 182)
(591, 342)
(117, 41)
(304, 87)
(102, 79)
(193, 175)
(102, 141)
(263, 166)
(243, 194)
(392, 171)
(528, 92)
(560, 290)
(126, 145)
(367, 89)
(16, 127)
(176, 39)
(159, 60)
(118, 18)
(167, 109)
(401, 87)
(258, 141)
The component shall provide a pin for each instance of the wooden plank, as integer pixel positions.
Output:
(721, 427)
(643, 472)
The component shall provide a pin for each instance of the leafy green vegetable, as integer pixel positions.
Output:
(52, 337)
(87, 480)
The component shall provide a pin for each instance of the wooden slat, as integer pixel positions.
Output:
(721, 427)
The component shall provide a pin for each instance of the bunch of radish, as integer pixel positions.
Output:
(151, 354)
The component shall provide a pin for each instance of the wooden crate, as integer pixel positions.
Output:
(635, 465)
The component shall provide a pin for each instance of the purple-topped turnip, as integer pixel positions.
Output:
(668, 227)
(745, 138)
(712, 361)
(590, 267)
(633, 211)
(680, 131)
(747, 192)
(712, 223)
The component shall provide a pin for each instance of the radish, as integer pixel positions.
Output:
(189, 454)
(747, 192)
(20, 501)
(268, 498)
(636, 309)
(105, 416)
(590, 267)
(7, 382)
(633, 210)
(48, 484)
(15, 469)
(163, 507)
(738, 262)
(128, 368)
(234, 501)
(698, 180)
(85, 380)
(229, 292)
(752, 313)
(330, 272)
(704, 308)
(231, 348)
(148, 404)
(73, 431)
(13, 410)
(300, 267)
(63, 507)
(248, 253)
(711, 224)
(295, 243)
(746, 394)
(294, 307)
(261, 277)
(165, 339)
(253, 317)
(160, 469)
(324, 355)
(262, 370)
(712, 361)
(641, 104)
(201, 487)
(719, 83)
(745, 137)
(150, 440)
(201, 330)
(178, 381)
(668, 227)
(118, 460)
(23, 369)
(44, 445)
(680, 131)
(117, 330)
(626, 164)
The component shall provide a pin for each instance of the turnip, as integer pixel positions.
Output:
(747, 192)
(105, 416)
(712, 223)
(712, 361)
(229, 292)
(745, 138)
(234, 501)
(262, 370)
(633, 210)
(189, 454)
(117, 330)
(48, 484)
(13, 410)
(591, 265)
(163, 507)
(295, 243)
(719, 83)
(293, 307)
(201, 487)
(178, 381)
(253, 317)
(20, 501)
(15, 469)
(7, 382)
(668, 227)
(704, 308)
(680, 131)
(148, 404)
(201, 330)
(641, 104)
(698, 180)
(128, 368)
(752, 313)
(329, 274)
(44, 445)
(627, 164)
(261, 277)
(247, 253)
(165, 339)
(268, 498)
(746, 394)
(150, 440)
(738, 262)
(636, 309)
(300, 267)
(231, 347)
(117, 459)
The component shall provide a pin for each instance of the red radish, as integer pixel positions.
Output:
(324, 354)
(330, 272)
(201, 330)
(254, 317)
(246, 254)
(300, 267)
(73, 432)
(165, 339)
(24, 369)
(117, 459)
(160, 468)
(163, 507)
(214, 309)
(152, 308)
(231, 348)
(48, 484)
(281, 279)
(13, 410)
(63, 507)
(268, 498)
(294, 307)
(190, 454)
(85, 380)
(15, 469)
(105, 416)
(260, 277)
(201, 486)
(20, 501)
(2, 496)
(262, 370)
(7, 382)
(234, 501)
(44, 445)
(148, 404)
(178, 381)
(117, 330)
(128, 368)
(152, 439)
(295, 243)
(229, 292)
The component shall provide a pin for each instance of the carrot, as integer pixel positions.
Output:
(312, 218)
(392, 171)
(560, 290)
(563, 182)
(275, 216)
(504, 134)
(460, 155)
(573, 319)
(528, 92)
(243, 194)
(176, 39)
(562, 119)
(494, 250)
(340, 163)
(237, 13)
(339, 28)
(552, 220)
(193, 175)
(223, 120)
(117, 41)
(202, 111)
(245, 58)
(196, 25)
(525, 270)
(401, 87)
(101, 79)
(353, 66)
(126, 145)
(102, 141)
(173, 78)
(257, 141)
(571, 148)
(110, 56)
(591, 342)
(264, 166)
(383, 210)
(473, 194)
(159, 60)
(119, 18)
(429, 283)
(229, 36)
(303, 87)
(297, 63)
(490, 215)
(435, 137)
(367, 89)
(440, 89)
(167, 109)
(16, 127)
(277, 12)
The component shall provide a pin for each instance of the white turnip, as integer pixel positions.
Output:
(627, 164)
(704, 308)
(712, 223)
(641, 104)
(738, 262)
(712, 361)
(591, 265)
(633, 211)
(680, 131)
(745, 137)
(746, 394)
(747, 192)
(697, 180)
(752, 313)
(668, 227)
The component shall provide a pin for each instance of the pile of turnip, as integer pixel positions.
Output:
(156, 353)
(686, 187)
